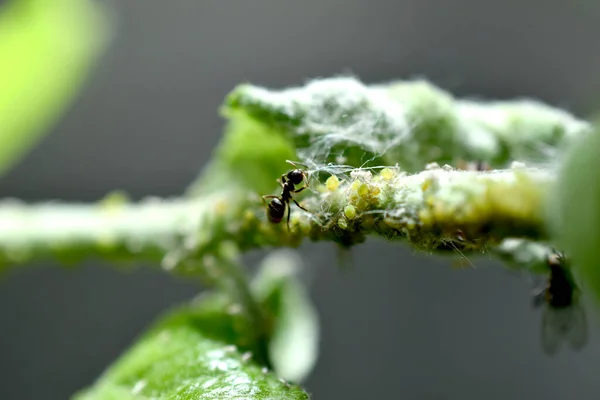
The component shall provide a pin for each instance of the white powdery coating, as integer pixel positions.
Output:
(412, 123)
(454, 188)
(532, 131)
(339, 110)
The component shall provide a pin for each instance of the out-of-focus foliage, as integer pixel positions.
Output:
(294, 339)
(575, 209)
(250, 156)
(179, 361)
(203, 350)
(46, 51)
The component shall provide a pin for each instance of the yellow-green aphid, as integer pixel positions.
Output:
(116, 198)
(332, 183)
(350, 212)
(342, 223)
(363, 189)
(387, 174)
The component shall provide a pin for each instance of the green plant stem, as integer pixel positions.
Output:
(234, 281)
(73, 232)
(435, 210)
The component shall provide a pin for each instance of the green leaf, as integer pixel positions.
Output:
(575, 209)
(343, 121)
(46, 51)
(195, 352)
(294, 342)
(250, 156)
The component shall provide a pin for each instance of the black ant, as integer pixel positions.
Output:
(276, 208)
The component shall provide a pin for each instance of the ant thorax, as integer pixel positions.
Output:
(288, 188)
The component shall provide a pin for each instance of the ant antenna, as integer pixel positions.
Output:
(296, 163)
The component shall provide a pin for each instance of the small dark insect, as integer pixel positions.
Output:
(474, 166)
(563, 317)
(276, 208)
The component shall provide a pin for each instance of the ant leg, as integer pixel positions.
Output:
(281, 181)
(270, 196)
(295, 202)
(307, 177)
(289, 212)
(299, 190)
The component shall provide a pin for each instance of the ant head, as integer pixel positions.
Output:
(296, 176)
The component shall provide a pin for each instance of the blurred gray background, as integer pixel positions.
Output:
(400, 325)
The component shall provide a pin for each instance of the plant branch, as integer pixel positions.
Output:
(325, 123)
(436, 210)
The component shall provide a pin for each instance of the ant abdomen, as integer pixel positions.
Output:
(276, 211)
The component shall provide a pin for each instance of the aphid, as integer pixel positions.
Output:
(563, 318)
(276, 208)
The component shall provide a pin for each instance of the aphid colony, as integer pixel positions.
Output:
(563, 317)
(279, 204)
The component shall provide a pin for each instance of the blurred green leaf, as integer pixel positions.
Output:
(575, 209)
(196, 352)
(250, 156)
(294, 342)
(46, 51)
